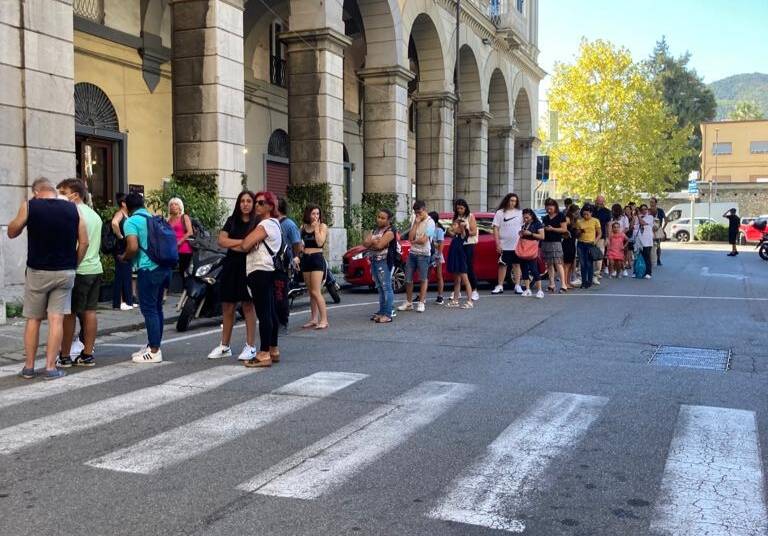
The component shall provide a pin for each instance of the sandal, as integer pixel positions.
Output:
(321, 326)
(467, 305)
(375, 318)
(452, 303)
(563, 290)
(309, 325)
(551, 290)
(383, 320)
(261, 360)
(274, 355)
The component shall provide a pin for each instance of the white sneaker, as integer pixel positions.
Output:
(249, 352)
(407, 306)
(648, 276)
(595, 281)
(606, 271)
(420, 306)
(540, 294)
(518, 289)
(475, 296)
(624, 274)
(220, 351)
(148, 356)
(125, 307)
(76, 347)
(139, 352)
(527, 292)
(575, 283)
(135, 305)
(498, 289)
(614, 274)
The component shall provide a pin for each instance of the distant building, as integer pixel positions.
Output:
(735, 151)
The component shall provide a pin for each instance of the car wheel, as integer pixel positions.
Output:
(683, 236)
(398, 279)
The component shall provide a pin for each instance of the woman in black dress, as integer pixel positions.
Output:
(569, 243)
(234, 284)
(457, 256)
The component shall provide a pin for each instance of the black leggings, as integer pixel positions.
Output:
(469, 250)
(647, 259)
(262, 287)
(184, 261)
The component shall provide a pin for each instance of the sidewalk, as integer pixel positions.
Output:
(110, 321)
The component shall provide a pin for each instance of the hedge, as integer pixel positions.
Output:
(301, 195)
(712, 232)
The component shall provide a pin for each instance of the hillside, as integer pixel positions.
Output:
(748, 86)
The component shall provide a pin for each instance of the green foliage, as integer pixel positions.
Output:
(617, 136)
(200, 195)
(108, 263)
(712, 232)
(301, 195)
(13, 310)
(745, 111)
(362, 217)
(686, 97)
(740, 87)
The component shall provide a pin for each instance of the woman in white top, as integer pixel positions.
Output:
(506, 231)
(644, 237)
(262, 243)
(469, 250)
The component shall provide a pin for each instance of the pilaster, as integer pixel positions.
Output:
(472, 148)
(501, 149)
(434, 149)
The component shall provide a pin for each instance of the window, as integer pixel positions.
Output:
(684, 221)
(276, 55)
(521, 6)
(758, 147)
(723, 147)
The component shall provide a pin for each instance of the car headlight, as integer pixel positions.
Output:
(357, 257)
(203, 270)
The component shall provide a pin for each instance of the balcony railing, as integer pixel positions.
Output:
(92, 10)
(507, 15)
(277, 71)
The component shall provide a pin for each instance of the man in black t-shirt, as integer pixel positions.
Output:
(734, 222)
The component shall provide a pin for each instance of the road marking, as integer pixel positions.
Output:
(334, 459)
(86, 378)
(713, 478)
(187, 441)
(598, 294)
(706, 273)
(496, 487)
(35, 431)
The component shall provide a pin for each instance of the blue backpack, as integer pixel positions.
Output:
(639, 267)
(161, 242)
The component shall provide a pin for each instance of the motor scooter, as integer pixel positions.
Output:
(297, 288)
(201, 297)
(762, 245)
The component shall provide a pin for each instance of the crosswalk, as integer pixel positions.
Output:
(712, 481)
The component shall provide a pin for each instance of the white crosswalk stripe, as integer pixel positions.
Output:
(35, 431)
(189, 440)
(494, 489)
(29, 391)
(713, 478)
(335, 459)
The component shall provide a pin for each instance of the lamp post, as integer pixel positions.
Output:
(713, 182)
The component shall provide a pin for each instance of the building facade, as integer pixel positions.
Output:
(360, 95)
(735, 152)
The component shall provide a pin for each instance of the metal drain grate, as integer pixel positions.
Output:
(685, 357)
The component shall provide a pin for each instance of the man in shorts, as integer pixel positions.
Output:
(85, 293)
(57, 240)
(419, 256)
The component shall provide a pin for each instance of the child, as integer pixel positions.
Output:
(617, 240)
(437, 258)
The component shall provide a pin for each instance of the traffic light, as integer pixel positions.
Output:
(542, 168)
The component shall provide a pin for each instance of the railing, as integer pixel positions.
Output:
(507, 15)
(277, 71)
(92, 10)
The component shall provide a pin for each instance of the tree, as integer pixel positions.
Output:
(745, 111)
(686, 97)
(616, 135)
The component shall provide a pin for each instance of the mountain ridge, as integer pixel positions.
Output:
(740, 87)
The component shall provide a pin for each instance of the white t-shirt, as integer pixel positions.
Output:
(259, 257)
(424, 228)
(645, 234)
(623, 224)
(509, 223)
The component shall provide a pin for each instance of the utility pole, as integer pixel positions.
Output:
(713, 181)
(457, 94)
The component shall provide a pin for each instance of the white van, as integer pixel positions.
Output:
(702, 210)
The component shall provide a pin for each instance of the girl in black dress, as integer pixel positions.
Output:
(457, 255)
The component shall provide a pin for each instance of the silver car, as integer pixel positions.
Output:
(681, 229)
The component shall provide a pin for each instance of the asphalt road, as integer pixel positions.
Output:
(541, 417)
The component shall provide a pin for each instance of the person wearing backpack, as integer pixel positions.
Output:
(264, 245)
(151, 244)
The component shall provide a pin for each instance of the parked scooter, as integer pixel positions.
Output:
(202, 297)
(762, 246)
(297, 288)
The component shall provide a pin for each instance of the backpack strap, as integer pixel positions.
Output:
(282, 238)
(139, 241)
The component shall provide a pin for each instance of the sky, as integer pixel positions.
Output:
(724, 38)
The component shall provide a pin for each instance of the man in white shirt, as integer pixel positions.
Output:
(507, 223)
(419, 256)
(644, 236)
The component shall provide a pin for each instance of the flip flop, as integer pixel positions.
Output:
(321, 326)
(309, 325)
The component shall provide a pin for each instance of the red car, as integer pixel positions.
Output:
(753, 231)
(357, 267)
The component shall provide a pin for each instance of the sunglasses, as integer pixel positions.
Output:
(261, 202)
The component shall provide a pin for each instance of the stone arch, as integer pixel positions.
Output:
(498, 100)
(429, 51)
(524, 148)
(279, 144)
(500, 146)
(470, 88)
(523, 115)
(383, 23)
(472, 134)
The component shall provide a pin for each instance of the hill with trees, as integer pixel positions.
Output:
(747, 87)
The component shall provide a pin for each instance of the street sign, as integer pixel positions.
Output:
(693, 187)
(542, 168)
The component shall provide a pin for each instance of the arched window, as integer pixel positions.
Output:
(279, 144)
(93, 108)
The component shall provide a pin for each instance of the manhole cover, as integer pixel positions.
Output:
(685, 357)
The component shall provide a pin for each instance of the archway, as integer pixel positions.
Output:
(500, 145)
(472, 134)
(524, 166)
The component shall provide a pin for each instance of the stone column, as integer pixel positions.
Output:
(434, 149)
(208, 98)
(472, 172)
(385, 116)
(501, 150)
(316, 119)
(525, 170)
(37, 137)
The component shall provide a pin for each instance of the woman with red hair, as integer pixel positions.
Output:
(260, 244)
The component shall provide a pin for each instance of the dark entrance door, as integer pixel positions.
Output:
(95, 165)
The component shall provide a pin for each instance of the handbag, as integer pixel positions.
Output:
(595, 253)
(527, 249)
